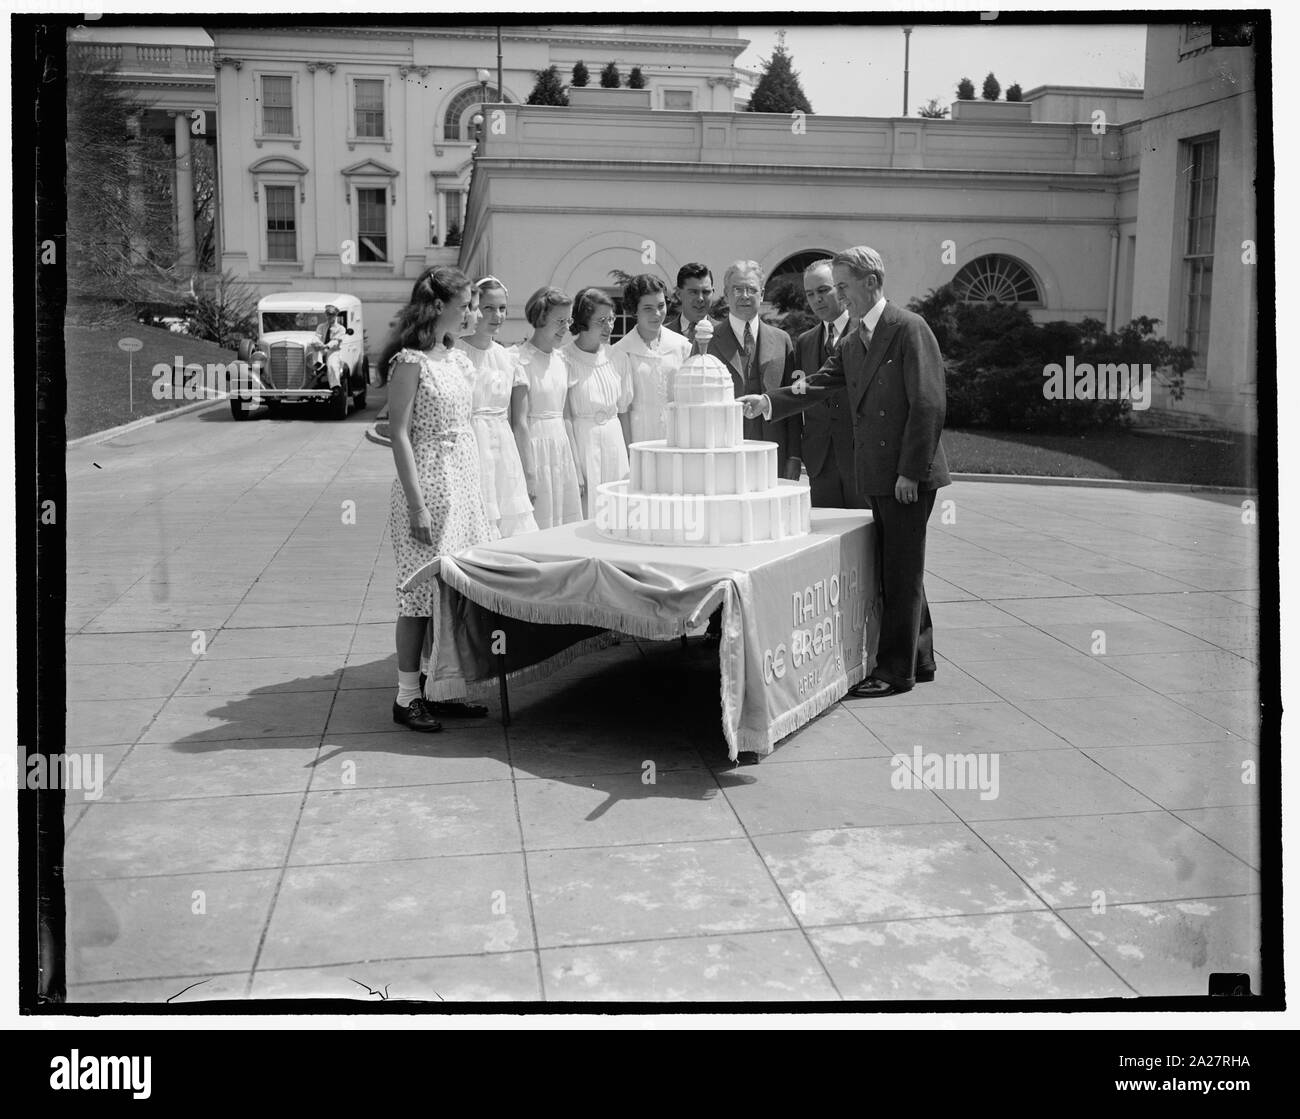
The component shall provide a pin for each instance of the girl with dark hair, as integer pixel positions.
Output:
(437, 506)
(500, 387)
(597, 395)
(550, 437)
(648, 358)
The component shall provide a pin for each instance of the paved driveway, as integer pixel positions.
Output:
(1068, 811)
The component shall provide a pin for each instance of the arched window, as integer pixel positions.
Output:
(456, 122)
(997, 279)
(794, 266)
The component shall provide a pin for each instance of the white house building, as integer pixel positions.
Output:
(350, 157)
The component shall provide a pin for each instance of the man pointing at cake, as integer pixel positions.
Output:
(890, 364)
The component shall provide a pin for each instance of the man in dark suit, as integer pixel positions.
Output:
(761, 359)
(828, 426)
(893, 372)
(694, 296)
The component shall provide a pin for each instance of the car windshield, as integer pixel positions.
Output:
(273, 321)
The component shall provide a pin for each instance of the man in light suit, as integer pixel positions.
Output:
(761, 359)
(694, 296)
(828, 426)
(893, 372)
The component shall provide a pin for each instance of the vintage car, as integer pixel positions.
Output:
(291, 361)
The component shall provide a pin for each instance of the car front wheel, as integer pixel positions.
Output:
(237, 410)
(338, 404)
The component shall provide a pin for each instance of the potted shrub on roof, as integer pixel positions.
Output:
(611, 94)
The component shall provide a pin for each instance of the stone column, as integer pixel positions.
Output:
(185, 193)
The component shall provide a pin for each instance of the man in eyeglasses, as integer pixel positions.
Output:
(694, 294)
(761, 359)
(827, 426)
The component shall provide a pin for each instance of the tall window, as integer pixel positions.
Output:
(372, 224)
(1200, 159)
(277, 106)
(453, 212)
(370, 107)
(281, 224)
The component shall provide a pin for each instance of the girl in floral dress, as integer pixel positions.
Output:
(597, 394)
(649, 357)
(500, 389)
(550, 438)
(436, 506)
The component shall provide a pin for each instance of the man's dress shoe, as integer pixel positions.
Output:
(871, 688)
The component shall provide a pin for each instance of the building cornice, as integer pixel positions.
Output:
(556, 36)
(504, 166)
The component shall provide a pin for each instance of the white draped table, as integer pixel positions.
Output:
(800, 618)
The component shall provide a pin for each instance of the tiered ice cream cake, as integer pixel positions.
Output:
(705, 484)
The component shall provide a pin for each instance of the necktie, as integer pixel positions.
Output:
(866, 334)
(690, 333)
(747, 346)
(830, 339)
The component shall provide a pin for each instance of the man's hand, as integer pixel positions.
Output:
(905, 490)
(793, 469)
(755, 406)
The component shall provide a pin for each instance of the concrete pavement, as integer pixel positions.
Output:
(264, 830)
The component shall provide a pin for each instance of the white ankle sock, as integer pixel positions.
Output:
(408, 687)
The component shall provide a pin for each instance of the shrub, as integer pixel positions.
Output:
(581, 76)
(636, 79)
(610, 78)
(222, 309)
(1014, 93)
(995, 356)
(992, 88)
(965, 90)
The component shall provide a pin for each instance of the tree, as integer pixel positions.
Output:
(636, 79)
(965, 90)
(992, 90)
(932, 110)
(1014, 93)
(222, 309)
(610, 78)
(580, 74)
(778, 89)
(548, 90)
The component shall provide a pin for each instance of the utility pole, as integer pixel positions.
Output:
(907, 50)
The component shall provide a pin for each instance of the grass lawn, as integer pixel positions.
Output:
(96, 371)
(1207, 458)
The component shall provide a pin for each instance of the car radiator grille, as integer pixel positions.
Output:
(288, 368)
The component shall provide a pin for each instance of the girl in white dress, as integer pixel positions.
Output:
(550, 439)
(648, 358)
(500, 391)
(597, 396)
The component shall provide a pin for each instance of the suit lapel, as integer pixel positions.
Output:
(886, 327)
(724, 338)
(770, 366)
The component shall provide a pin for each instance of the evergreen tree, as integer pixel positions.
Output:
(580, 75)
(965, 90)
(1014, 93)
(548, 90)
(778, 90)
(636, 79)
(932, 110)
(610, 78)
(992, 90)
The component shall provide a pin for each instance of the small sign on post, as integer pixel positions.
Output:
(131, 346)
